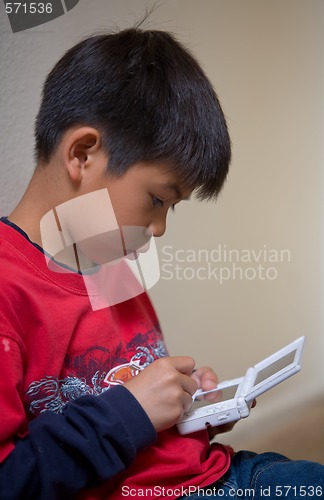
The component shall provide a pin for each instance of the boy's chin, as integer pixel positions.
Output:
(104, 249)
(134, 254)
(103, 256)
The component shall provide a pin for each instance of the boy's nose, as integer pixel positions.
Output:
(158, 228)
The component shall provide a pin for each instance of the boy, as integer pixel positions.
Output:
(131, 115)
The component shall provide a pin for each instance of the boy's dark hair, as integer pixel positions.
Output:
(149, 99)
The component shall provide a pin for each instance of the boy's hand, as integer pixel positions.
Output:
(164, 390)
(207, 380)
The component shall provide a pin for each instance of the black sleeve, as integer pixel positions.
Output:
(94, 439)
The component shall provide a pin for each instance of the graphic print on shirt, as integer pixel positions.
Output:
(53, 394)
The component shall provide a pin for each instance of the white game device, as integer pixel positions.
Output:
(235, 397)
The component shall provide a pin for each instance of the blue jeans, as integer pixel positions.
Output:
(268, 475)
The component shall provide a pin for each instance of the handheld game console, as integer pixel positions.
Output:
(235, 397)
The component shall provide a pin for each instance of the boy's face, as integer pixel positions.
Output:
(106, 228)
(143, 195)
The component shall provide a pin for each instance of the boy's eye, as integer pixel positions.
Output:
(156, 202)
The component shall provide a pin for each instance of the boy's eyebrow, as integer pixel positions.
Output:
(175, 188)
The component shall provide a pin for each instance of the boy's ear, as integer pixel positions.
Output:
(78, 149)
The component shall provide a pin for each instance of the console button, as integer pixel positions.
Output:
(223, 416)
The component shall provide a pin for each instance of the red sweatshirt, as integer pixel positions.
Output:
(65, 364)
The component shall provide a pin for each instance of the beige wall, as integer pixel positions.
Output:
(265, 59)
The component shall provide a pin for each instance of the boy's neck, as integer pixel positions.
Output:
(38, 199)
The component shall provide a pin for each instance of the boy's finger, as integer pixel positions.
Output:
(184, 364)
(189, 385)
